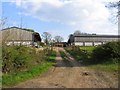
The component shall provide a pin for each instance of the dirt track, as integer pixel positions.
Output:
(70, 75)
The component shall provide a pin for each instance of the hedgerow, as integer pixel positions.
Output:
(16, 58)
(107, 52)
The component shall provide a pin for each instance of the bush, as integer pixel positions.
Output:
(21, 63)
(77, 53)
(107, 52)
(19, 58)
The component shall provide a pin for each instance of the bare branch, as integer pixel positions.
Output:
(46, 37)
(58, 39)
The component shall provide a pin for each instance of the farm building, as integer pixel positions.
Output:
(60, 44)
(20, 36)
(90, 39)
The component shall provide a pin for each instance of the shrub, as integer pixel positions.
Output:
(77, 53)
(107, 52)
(19, 58)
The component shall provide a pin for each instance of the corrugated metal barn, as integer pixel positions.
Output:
(90, 39)
(20, 36)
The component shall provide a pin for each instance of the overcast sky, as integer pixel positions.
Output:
(61, 17)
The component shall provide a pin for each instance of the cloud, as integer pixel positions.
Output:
(86, 15)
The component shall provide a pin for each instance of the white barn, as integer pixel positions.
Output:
(90, 39)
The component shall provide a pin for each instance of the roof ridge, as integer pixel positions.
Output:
(18, 28)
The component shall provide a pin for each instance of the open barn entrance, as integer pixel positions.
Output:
(60, 44)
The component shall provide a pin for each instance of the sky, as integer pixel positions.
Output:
(61, 17)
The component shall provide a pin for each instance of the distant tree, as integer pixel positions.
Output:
(77, 32)
(58, 39)
(46, 37)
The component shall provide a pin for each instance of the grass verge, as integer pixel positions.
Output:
(63, 55)
(111, 67)
(13, 78)
(16, 77)
(87, 61)
(65, 59)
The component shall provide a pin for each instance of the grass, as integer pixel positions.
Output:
(111, 67)
(73, 53)
(88, 48)
(51, 56)
(13, 78)
(16, 77)
(108, 66)
(63, 55)
(65, 59)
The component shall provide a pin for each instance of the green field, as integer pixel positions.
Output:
(88, 48)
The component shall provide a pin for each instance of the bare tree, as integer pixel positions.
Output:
(3, 37)
(58, 39)
(111, 6)
(3, 22)
(46, 37)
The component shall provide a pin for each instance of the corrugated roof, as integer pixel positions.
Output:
(19, 28)
(93, 35)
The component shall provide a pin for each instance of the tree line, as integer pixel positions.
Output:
(48, 39)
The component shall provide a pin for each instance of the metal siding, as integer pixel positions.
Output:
(17, 34)
(79, 43)
(88, 44)
(95, 39)
(97, 43)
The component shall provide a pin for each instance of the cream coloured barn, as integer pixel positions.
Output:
(90, 39)
(20, 36)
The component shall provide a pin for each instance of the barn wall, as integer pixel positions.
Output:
(88, 43)
(79, 43)
(97, 43)
(92, 41)
(95, 39)
(27, 43)
(16, 34)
